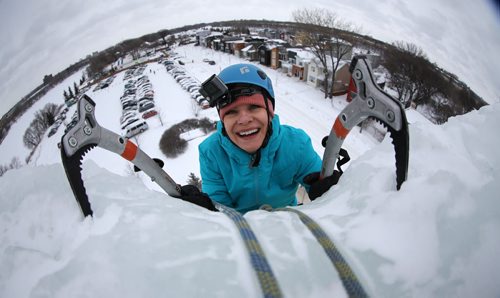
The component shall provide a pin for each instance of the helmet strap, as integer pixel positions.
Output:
(254, 162)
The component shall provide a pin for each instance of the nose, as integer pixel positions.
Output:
(244, 117)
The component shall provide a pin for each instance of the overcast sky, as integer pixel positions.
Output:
(40, 37)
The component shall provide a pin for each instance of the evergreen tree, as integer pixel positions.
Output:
(194, 180)
(75, 87)
(70, 93)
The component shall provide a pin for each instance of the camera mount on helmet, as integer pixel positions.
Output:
(219, 95)
(213, 88)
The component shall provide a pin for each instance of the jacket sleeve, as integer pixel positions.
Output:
(311, 162)
(212, 181)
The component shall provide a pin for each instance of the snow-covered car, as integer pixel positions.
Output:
(129, 122)
(204, 104)
(136, 129)
(146, 105)
(149, 114)
(52, 131)
(193, 87)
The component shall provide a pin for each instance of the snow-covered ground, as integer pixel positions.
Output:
(436, 237)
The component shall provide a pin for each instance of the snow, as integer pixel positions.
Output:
(436, 237)
(192, 134)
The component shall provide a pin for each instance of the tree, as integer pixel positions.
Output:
(44, 118)
(194, 180)
(98, 62)
(34, 133)
(47, 79)
(412, 76)
(75, 87)
(70, 92)
(171, 40)
(15, 163)
(163, 34)
(326, 34)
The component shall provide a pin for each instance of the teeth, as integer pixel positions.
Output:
(248, 132)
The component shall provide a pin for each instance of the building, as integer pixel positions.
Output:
(316, 75)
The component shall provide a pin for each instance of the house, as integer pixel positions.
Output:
(210, 40)
(228, 42)
(201, 35)
(285, 62)
(249, 52)
(295, 62)
(342, 79)
(269, 55)
(316, 75)
(238, 46)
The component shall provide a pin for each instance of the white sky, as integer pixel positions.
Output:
(45, 36)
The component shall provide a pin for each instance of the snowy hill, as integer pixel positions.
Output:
(436, 237)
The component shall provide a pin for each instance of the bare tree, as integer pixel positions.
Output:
(412, 75)
(34, 134)
(43, 120)
(325, 33)
(163, 34)
(15, 163)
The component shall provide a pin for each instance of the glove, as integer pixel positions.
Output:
(192, 194)
(319, 187)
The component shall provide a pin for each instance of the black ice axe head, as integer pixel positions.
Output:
(369, 101)
(81, 136)
(84, 133)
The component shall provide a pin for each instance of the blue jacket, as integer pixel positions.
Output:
(228, 179)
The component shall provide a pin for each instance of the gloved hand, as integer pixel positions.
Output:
(192, 194)
(319, 187)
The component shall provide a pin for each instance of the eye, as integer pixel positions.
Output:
(231, 112)
(254, 107)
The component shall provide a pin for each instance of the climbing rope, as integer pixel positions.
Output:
(265, 275)
(349, 279)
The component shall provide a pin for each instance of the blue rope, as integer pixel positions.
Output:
(349, 279)
(267, 280)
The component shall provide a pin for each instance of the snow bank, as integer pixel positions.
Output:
(436, 237)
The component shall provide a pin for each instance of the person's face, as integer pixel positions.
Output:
(246, 125)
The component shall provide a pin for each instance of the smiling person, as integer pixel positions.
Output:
(252, 159)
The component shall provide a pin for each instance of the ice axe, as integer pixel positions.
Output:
(369, 101)
(86, 134)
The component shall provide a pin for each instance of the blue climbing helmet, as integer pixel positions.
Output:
(245, 73)
(223, 88)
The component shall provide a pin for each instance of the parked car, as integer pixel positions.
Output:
(149, 114)
(205, 104)
(131, 102)
(127, 115)
(129, 122)
(193, 87)
(144, 106)
(136, 129)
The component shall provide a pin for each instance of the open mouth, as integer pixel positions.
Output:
(248, 133)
